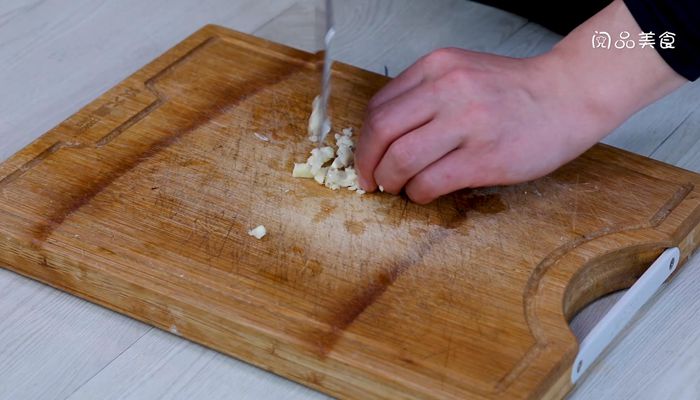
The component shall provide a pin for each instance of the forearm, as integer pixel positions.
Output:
(615, 83)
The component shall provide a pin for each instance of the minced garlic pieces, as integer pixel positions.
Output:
(258, 232)
(345, 153)
(302, 170)
(261, 137)
(340, 173)
(316, 122)
(319, 157)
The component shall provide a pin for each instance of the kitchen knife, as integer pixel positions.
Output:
(326, 74)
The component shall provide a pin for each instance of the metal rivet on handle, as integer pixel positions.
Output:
(672, 264)
(578, 367)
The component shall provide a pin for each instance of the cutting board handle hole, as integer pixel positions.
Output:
(597, 288)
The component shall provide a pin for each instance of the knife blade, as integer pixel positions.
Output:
(326, 74)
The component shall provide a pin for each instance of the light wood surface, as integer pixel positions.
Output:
(161, 365)
(51, 65)
(141, 202)
(37, 323)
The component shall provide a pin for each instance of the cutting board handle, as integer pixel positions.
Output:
(623, 311)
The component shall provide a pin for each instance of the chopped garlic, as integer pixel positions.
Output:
(340, 173)
(333, 179)
(341, 178)
(320, 176)
(317, 125)
(261, 137)
(258, 232)
(319, 157)
(345, 149)
(302, 171)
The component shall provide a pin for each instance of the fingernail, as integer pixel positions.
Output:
(363, 182)
(361, 179)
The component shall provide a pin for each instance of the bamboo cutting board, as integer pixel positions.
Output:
(141, 202)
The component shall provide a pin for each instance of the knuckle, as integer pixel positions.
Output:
(377, 125)
(402, 157)
(483, 143)
(437, 59)
(456, 78)
(434, 90)
(373, 102)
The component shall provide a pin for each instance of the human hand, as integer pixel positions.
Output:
(460, 119)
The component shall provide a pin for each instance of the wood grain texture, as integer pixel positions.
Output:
(171, 177)
(162, 366)
(377, 35)
(64, 69)
(150, 27)
(57, 55)
(395, 33)
(682, 148)
(657, 122)
(528, 41)
(33, 311)
(659, 351)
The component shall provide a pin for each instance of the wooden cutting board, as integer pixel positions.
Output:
(141, 202)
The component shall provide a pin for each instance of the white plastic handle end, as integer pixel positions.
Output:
(623, 311)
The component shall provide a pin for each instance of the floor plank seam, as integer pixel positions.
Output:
(150, 328)
(673, 131)
(264, 24)
(515, 32)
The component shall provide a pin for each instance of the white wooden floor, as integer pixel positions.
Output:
(57, 55)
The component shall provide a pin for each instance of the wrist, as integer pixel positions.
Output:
(575, 93)
(608, 84)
